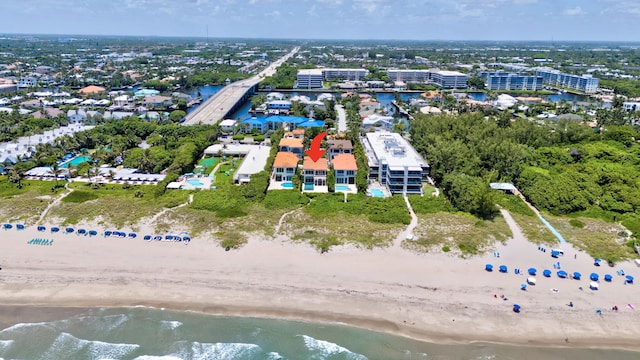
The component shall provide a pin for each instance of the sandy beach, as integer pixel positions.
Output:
(437, 297)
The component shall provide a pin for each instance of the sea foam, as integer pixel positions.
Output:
(327, 348)
(67, 346)
(172, 325)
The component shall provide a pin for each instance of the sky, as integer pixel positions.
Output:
(547, 20)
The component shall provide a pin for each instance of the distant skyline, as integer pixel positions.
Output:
(546, 20)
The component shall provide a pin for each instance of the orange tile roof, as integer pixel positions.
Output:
(91, 89)
(321, 164)
(291, 142)
(344, 162)
(298, 132)
(285, 160)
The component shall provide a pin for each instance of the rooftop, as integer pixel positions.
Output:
(344, 162)
(291, 142)
(285, 160)
(309, 164)
(392, 149)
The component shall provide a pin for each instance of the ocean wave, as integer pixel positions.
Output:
(326, 348)
(209, 351)
(100, 322)
(172, 325)
(67, 346)
(5, 344)
(24, 327)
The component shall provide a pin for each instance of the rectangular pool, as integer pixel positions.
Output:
(287, 185)
(75, 161)
(308, 187)
(342, 188)
(377, 193)
(195, 182)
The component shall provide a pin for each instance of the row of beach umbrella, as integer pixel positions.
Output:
(562, 274)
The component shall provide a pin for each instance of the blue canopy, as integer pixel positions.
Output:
(488, 267)
(132, 235)
(177, 238)
(629, 279)
(41, 228)
(596, 260)
(20, 226)
(157, 238)
(532, 271)
(503, 268)
(168, 237)
(93, 232)
(107, 233)
(516, 308)
(608, 277)
(555, 253)
(7, 226)
(547, 273)
(147, 237)
(562, 274)
(82, 231)
(594, 277)
(186, 238)
(577, 275)
(69, 230)
(55, 229)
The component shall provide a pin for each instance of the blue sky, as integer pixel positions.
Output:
(331, 19)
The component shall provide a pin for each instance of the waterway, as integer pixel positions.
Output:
(384, 98)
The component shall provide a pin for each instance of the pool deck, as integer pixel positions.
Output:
(317, 189)
(351, 188)
(277, 185)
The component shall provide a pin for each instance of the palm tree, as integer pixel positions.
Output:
(55, 171)
(15, 177)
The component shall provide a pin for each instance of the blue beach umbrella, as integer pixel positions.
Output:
(186, 239)
(503, 268)
(69, 230)
(577, 275)
(157, 238)
(7, 226)
(133, 235)
(55, 229)
(608, 277)
(488, 267)
(516, 308)
(41, 228)
(20, 226)
(594, 277)
(93, 233)
(546, 273)
(532, 271)
(147, 237)
(562, 274)
(629, 279)
(82, 231)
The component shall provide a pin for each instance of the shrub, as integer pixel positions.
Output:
(79, 196)
(576, 223)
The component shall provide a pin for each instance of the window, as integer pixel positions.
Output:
(279, 170)
(350, 172)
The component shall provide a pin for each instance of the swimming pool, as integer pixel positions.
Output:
(377, 193)
(308, 187)
(195, 182)
(342, 188)
(287, 185)
(75, 161)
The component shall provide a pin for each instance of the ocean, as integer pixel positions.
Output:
(141, 333)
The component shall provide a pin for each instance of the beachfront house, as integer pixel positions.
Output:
(227, 125)
(297, 134)
(345, 168)
(314, 175)
(291, 145)
(339, 146)
(284, 166)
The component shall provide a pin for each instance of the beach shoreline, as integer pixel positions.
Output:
(437, 298)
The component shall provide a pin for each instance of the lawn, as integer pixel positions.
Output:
(459, 233)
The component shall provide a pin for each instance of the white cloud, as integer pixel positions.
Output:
(574, 11)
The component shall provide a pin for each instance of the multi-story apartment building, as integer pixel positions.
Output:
(444, 79)
(394, 163)
(344, 74)
(502, 80)
(309, 79)
(585, 83)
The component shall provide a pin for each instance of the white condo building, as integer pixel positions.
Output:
(443, 78)
(585, 83)
(309, 79)
(394, 162)
(344, 74)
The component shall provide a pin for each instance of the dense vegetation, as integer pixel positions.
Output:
(563, 168)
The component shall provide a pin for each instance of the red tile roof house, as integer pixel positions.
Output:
(284, 169)
(345, 169)
(291, 145)
(315, 175)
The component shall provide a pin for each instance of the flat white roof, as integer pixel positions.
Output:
(450, 73)
(310, 72)
(228, 122)
(394, 150)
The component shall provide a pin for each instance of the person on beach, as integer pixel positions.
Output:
(570, 304)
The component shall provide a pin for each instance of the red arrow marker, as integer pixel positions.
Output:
(315, 153)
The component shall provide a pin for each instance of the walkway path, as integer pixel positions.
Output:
(157, 216)
(409, 230)
(277, 229)
(54, 203)
(342, 119)
(542, 219)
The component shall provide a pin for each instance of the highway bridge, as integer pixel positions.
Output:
(226, 101)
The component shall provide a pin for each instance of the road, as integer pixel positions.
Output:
(217, 106)
(342, 119)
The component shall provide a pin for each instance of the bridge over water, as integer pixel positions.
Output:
(223, 103)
